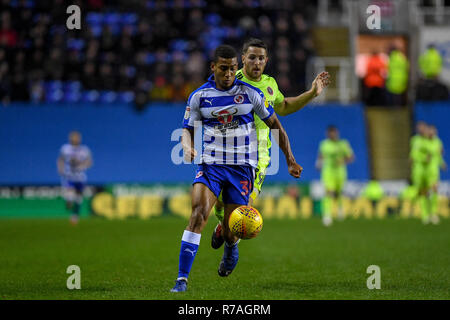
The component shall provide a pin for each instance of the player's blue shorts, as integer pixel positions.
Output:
(77, 185)
(235, 181)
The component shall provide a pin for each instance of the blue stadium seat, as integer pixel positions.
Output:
(75, 44)
(126, 97)
(150, 4)
(52, 96)
(179, 45)
(53, 85)
(90, 96)
(94, 18)
(96, 30)
(150, 58)
(129, 18)
(213, 19)
(72, 96)
(112, 18)
(72, 86)
(108, 97)
(58, 29)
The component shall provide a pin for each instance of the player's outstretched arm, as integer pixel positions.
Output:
(283, 141)
(293, 104)
(188, 144)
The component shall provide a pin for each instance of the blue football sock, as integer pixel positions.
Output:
(189, 247)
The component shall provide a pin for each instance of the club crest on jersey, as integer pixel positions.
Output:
(239, 99)
(270, 90)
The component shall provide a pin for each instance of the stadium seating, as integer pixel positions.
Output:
(163, 48)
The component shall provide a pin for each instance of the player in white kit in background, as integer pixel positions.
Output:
(73, 161)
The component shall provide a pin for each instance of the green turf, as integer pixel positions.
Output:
(301, 259)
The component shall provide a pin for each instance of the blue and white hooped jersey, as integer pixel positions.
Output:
(72, 157)
(229, 134)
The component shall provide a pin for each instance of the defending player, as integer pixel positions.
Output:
(436, 164)
(73, 161)
(254, 60)
(333, 157)
(416, 164)
(225, 107)
(426, 154)
(421, 132)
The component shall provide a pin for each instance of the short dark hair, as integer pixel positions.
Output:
(331, 127)
(224, 51)
(254, 42)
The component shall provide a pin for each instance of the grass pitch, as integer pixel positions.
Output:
(290, 259)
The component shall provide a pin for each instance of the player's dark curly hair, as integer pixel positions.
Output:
(224, 51)
(254, 42)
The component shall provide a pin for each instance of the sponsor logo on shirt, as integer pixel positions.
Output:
(225, 117)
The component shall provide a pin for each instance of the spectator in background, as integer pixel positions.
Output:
(160, 90)
(8, 36)
(89, 77)
(109, 54)
(374, 81)
(178, 89)
(19, 88)
(397, 77)
(37, 91)
(5, 85)
(430, 63)
(108, 78)
(429, 88)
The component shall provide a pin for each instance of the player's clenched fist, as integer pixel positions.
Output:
(295, 170)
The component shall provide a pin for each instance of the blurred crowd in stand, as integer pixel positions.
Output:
(387, 78)
(142, 50)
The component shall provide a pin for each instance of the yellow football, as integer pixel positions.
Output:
(245, 222)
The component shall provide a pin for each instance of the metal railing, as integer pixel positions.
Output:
(431, 16)
(344, 87)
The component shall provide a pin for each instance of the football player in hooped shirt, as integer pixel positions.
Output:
(225, 107)
(73, 161)
(254, 60)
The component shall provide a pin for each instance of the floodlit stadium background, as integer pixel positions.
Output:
(123, 80)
